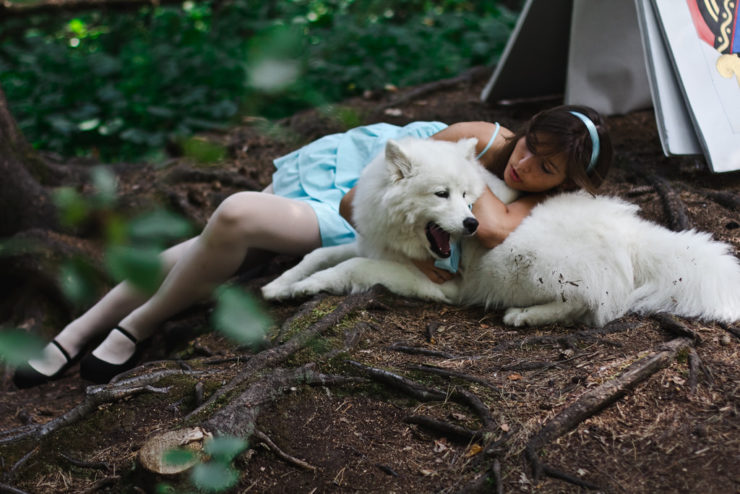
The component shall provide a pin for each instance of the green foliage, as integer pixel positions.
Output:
(17, 347)
(214, 476)
(239, 316)
(122, 85)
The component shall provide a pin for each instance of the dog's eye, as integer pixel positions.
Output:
(443, 194)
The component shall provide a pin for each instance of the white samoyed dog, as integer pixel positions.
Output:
(575, 258)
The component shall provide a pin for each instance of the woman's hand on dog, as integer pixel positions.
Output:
(437, 275)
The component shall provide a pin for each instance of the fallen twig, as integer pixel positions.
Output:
(21, 462)
(413, 350)
(261, 436)
(97, 465)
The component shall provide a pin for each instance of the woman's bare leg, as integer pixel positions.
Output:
(244, 221)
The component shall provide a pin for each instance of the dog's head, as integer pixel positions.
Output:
(431, 189)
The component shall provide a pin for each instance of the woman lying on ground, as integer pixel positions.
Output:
(564, 147)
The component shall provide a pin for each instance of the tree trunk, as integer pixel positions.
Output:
(24, 204)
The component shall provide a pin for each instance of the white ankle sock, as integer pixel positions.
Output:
(50, 362)
(116, 348)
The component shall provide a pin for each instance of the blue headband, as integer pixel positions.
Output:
(594, 139)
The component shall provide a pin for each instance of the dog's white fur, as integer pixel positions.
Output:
(575, 258)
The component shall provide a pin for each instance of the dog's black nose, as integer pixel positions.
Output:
(470, 224)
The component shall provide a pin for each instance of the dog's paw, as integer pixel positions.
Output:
(307, 287)
(275, 291)
(515, 316)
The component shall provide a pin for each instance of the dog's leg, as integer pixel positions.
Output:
(360, 273)
(317, 260)
(557, 311)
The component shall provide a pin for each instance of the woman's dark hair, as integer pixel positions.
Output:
(557, 130)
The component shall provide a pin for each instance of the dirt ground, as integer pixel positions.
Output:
(676, 430)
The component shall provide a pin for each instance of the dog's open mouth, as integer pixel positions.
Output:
(439, 240)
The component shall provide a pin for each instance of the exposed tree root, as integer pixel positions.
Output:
(730, 200)
(96, 396)
(424, 393)
(731, 329)
(448, 373)
(453, 432)
(597, 399)
(411, 388)
(4, 488)
(239, 415)
(674, 209)
(490, 481)
(677, 327)
(279, 353)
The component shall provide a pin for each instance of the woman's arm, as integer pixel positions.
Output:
(497, 220)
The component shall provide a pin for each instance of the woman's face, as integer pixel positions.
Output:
(530, 172)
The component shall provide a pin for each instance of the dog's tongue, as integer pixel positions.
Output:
(439, 239)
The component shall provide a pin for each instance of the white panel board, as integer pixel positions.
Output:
(713, 100)
(676, 130)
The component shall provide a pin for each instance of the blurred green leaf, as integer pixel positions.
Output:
(158, 227)
(178, 457)
(104, 181)
(203, 151)
(140, 266)
(224, 448)
(72, 206)
(214, 476)
(76, 281)
(239, 316)
(17, 347)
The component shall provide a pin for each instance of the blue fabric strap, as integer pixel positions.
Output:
(594, 139)
(488, 146)
(450, 263)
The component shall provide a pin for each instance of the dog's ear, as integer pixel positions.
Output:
(398, 163)
(467, 147)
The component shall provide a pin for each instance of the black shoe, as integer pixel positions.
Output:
(101, 372)
(27, 377)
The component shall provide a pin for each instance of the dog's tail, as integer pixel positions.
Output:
(685, 273)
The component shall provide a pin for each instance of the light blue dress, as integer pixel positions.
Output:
(321, 172)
